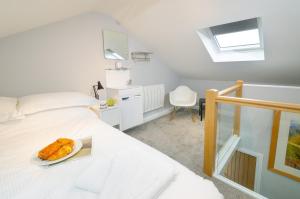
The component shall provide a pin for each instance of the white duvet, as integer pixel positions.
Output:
(20, 178)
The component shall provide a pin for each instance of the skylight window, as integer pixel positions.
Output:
(235, 41)
(239, 40)
(237, 35)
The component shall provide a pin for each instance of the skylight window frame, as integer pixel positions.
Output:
(232, 55)
(241, 48)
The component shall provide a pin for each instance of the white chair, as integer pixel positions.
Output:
(184, 97)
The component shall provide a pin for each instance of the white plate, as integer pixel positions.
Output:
(38, 161)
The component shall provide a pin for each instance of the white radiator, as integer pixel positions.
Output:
(154, 97)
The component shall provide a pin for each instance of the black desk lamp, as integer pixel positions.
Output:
(96, 88)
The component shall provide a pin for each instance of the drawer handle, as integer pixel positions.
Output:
(125, 98)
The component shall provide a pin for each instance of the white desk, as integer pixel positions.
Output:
(130, 101)
(111, 115)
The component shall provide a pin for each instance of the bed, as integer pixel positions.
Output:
(21, 178)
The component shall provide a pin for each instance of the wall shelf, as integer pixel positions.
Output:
(140, 56)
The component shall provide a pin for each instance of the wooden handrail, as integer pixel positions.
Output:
(287, 107)
(236, 87)
(228, 90)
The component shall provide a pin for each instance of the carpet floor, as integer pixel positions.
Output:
(182, 140)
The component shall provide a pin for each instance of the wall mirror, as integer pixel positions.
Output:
(115, 45)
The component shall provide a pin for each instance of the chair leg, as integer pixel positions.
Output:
(200, 111)
(173, 114)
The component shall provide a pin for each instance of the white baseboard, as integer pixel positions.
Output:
(157, 114)
(161, 113)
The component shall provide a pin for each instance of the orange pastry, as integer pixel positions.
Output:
(55, 147)
(49, 150)
(65, 141)
(62, 152)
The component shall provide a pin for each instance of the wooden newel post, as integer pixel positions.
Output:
(210, 129)
(237, 112)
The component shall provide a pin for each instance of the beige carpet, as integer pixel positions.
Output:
(182, 140)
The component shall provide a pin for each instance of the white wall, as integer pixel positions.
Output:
(144, 73)
(68, 55)
(256, 127)
(200, 86)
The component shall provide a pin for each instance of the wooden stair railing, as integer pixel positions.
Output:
(210, 128)
(215, 97)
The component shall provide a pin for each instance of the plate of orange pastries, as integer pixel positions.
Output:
(61, 149)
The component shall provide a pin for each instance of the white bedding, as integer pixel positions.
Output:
(19, 140)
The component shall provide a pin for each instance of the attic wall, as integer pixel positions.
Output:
(200, 86)
(170, 27)
(290, 95)
(68, 56)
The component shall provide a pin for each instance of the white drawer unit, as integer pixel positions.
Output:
(111, 115)
(130, 101)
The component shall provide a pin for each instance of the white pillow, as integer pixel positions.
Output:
(48, 101)
(8, 108)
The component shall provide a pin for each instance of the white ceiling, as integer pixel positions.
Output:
(169, 27)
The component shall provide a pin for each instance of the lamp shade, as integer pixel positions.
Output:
(99, 86)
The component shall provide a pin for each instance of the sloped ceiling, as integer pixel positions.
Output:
(169, 27)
